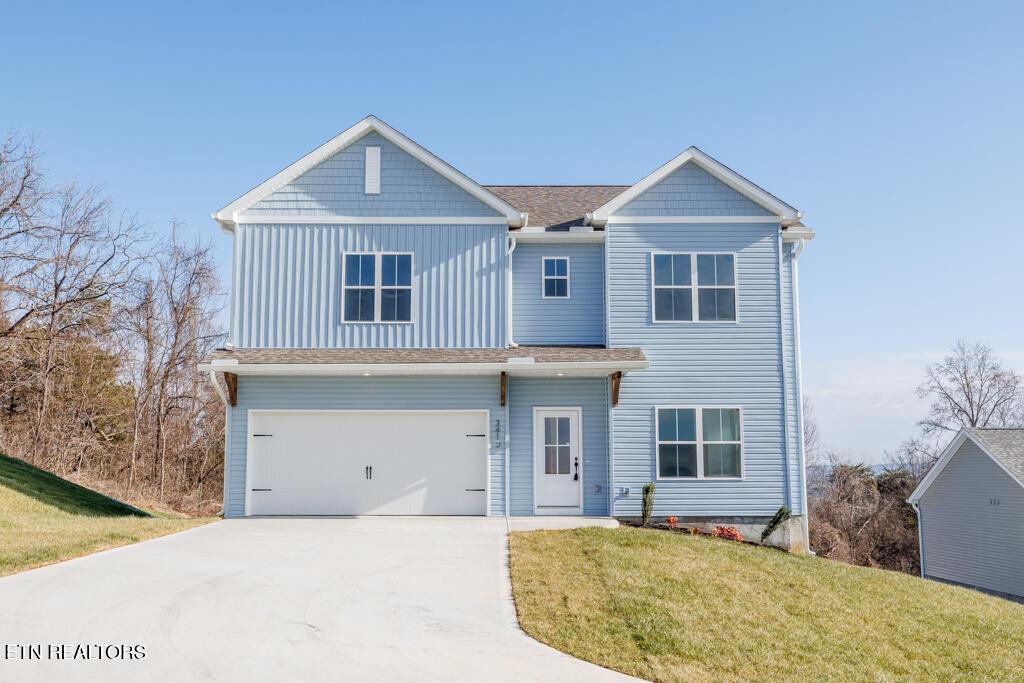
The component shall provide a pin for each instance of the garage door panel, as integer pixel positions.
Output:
(368, 463)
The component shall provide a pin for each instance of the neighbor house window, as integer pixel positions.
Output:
(556, 277)
(377, 288)
(699, 443)
(673, 287)
(684, 283)
(716, 287)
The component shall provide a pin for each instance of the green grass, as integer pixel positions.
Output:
(46, 519)
(672, 607)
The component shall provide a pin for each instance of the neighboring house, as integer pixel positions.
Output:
(970, 510)
(404, 340)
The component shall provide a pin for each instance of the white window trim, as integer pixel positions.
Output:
(694, 287)
(544, 278)
(378, 276)
(700, 443)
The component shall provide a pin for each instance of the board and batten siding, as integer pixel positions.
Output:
(336, 186)
(578, 319)
(702, 364)
(968, 538)
(691, 191)
(287, 286)
(589, 393)
(362, 393)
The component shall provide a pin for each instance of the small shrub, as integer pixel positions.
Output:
(693, 531)
(781, 515)
(730, 533)
(672, 521)
(648, 502)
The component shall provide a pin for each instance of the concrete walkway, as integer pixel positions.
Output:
(370, 599)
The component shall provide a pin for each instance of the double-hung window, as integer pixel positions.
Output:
(377, 288)
(555, 277)
(684, 284)
(699, 443)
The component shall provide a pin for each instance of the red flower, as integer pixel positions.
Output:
(730, 533)
(672, 521)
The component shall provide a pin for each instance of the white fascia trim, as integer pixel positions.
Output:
(578, 369)
(596, 237)
(692, 219)
(798, 235)
(944, 459)
(227, 215)
(281, 219)
(784, 211)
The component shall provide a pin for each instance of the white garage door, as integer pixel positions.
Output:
(367, 463)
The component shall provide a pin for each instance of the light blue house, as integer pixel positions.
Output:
(404, 340)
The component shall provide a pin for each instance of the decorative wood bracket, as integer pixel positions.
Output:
(231, 380)
(504, 387)
(616, 382)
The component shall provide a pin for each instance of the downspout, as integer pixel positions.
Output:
(508, 292)
(800, 389)
(920, 536)
(227, 440)
(782, 369)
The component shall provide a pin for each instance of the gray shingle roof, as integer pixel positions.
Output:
(557, 206)
(1006, 446)
(540, 354)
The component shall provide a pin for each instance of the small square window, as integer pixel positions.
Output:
(555, 277)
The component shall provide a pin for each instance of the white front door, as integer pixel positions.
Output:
(557, 465)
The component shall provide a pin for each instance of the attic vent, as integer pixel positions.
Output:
(373, 170)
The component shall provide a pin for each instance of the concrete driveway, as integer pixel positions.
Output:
(369, 599)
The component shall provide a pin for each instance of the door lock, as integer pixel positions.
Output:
(576, 476)
(369, 472)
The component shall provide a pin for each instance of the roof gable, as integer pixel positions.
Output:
(769, 204)
(1004, 446)
(286, 186)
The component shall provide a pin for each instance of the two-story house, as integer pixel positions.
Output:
(406, 341)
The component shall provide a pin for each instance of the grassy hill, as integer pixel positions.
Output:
(672, 607)
(46, 519)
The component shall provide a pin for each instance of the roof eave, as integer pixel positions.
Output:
(568, 369)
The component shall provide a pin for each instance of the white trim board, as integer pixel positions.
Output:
(229, 215)
(947, 455)
(285, 219)
(784, 213)
(692, 219)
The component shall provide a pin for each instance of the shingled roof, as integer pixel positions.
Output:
(360, 356)
(557, 207)
(1006, 446)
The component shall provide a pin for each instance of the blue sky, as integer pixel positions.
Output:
(895, 127)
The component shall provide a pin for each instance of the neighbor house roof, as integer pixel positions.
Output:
(349, 361)
(557, 206)
(1004, 446)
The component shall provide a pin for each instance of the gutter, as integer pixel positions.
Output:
(519, 367)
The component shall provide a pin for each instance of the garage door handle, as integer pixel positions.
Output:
(369, 471)
(255, 435)
(480, 490)
(262, 489)
(481, 435)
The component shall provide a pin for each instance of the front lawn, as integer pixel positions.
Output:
(672, 607)
(46, 519)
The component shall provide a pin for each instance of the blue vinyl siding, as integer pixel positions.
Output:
(287, 287)
(589, 393)
(576, 320)
(362, 393)
(336, 187)
(691, 191)
(701, 364)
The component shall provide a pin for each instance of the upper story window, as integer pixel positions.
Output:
(676, 298)
(556, 277)
(699, 443)
(377, 288)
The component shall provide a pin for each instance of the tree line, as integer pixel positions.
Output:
(102, 325)
(859, 514)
